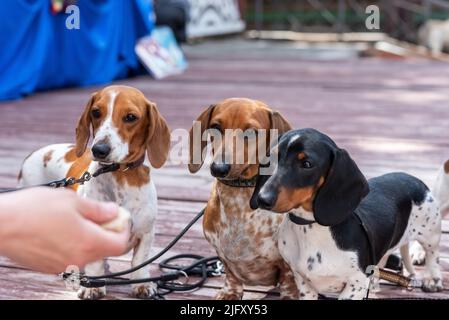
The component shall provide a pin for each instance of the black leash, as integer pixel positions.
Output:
(67, 182)
(203, 266)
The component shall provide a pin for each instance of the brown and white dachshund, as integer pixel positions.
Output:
(245, 239)
(125, 126)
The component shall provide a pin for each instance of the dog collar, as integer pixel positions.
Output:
(111, 167)
(298, 220)
(240, 183)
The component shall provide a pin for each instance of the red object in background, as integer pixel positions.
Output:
(56, 6)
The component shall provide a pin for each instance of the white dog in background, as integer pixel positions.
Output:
(441, 189)
(434, 34)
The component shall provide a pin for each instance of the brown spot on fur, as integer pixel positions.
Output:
(212, 213)
(47, 157)
(301, 156)
(79, 166)
(446, 167)
(289, 199)
(136, 177)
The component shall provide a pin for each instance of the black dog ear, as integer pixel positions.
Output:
(342, 191)
(261, 179)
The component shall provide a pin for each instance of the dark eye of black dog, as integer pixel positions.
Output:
(130, 118)
(307, 164)
(95, 113)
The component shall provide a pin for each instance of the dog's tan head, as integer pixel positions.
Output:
(124, 125)
(248, 116)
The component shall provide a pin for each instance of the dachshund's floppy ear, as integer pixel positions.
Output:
(341, 193)
(83, 128)
(196, 158)
(279, 122)
(158, 139)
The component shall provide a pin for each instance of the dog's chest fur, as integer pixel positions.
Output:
(311, 251)
(140, 201)
(245, 240)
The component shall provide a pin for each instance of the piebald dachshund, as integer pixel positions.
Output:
(245, 239)
(125, 126)
(338, 223)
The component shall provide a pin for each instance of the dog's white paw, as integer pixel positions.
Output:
(91, 293)
(432, 285)
(417, 254)
(145, 290)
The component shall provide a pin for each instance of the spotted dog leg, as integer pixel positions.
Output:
(142, 253)
(355, 288)
(429, 237)
(306, 292)
(287, 284)
(232, 289)
(408, 263)
(432, 281)
(93, 269)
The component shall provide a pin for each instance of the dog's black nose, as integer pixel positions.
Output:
(266, 200)
(220, 170)
(101, 150)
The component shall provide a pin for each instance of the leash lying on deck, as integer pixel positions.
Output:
(204, 267)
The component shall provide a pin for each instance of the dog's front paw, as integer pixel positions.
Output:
(432, 285)
(91, 293)
(226, 295)
(417, 254)
(145, 291)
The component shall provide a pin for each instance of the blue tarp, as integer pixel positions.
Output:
(38, 52)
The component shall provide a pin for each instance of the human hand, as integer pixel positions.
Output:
(48, 230)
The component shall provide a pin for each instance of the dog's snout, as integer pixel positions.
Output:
(220, 170)
(266, 200)
(101, 150)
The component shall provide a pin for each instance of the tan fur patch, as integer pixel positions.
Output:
(47, 157)
(289, 199)
(301, 156)
(70, 156)
(446, 166)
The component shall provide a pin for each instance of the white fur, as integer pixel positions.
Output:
(434, 34)
(441, 191)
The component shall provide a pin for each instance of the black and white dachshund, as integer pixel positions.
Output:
(339, 223)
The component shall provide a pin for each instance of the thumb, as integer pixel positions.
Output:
(96, 211)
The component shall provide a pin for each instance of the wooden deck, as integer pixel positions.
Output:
(391, 115)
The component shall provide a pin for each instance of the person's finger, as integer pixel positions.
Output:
(96, 211)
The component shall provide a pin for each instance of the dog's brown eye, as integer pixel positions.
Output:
(130, 118)
(95, 113)
(306, 164)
